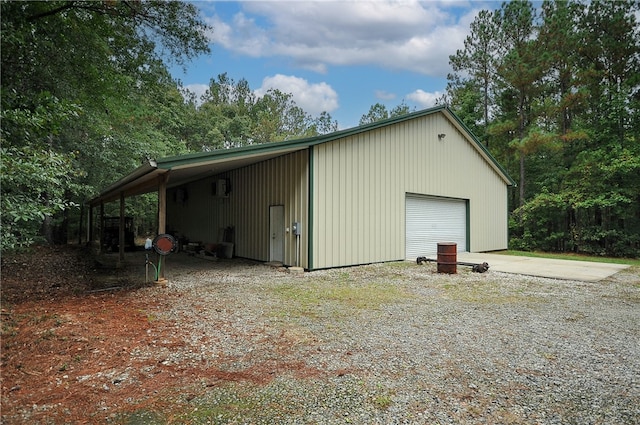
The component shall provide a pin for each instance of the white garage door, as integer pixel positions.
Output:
(431, 220)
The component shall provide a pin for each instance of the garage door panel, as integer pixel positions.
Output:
(430, 220)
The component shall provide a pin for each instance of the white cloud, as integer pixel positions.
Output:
(384, 95)
(424, 99)
(312, 98)
(406, 35)
(197, 89)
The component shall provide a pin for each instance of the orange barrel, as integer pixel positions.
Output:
(447, 257)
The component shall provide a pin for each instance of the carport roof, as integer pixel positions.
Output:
(191, 167)
(196, 166)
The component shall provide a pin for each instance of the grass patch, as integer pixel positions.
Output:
(347, 400)
(574, 257)
(141, 417)
(341, 297)
(382, 399)
(224, 406)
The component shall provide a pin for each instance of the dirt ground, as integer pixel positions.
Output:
(69, 325)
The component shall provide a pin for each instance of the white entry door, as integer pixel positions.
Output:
(276, 233)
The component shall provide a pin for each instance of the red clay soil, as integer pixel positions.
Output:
(74, 353)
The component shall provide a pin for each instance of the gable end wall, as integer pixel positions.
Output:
(360, 184)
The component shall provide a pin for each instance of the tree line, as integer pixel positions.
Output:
(554, 93)
(86, 97)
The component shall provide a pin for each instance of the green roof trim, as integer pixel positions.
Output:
(310, 217)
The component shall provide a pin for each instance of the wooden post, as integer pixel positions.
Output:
(162, 221)
(162, 204)
(90, 227)
(121, 232)
(80, 224)
(101, 241)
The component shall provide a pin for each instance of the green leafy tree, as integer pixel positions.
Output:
(559, 38)
(380, 112)
(610, 59)
(465, 98)
(602, 181)
(565, 109)
(277, 118)
(399, 110)
(613, 224)
(232, 115)
(35, 180)
(520, 72)
(376, 112)
(323, 124)
(36, 184)
(478, 61)
(224, 116)
(85, 83)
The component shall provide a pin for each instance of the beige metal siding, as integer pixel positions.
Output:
(199, 217)
(279, 181)
(360, 184)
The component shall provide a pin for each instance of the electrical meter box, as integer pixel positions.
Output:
(296, 228)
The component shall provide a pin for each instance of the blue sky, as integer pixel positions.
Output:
(335, 56)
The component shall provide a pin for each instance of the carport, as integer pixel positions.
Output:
(160, 175)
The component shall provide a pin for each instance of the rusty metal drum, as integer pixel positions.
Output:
(447, 257)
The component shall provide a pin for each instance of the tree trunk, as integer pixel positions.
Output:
(521, 201)
(486, 112)
(47, 230)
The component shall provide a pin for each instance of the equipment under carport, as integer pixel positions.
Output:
(111, 234)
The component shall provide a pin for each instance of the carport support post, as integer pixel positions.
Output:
(121, 232)
(162, 219)
(80, 223)
(101, 241)
(90, 229)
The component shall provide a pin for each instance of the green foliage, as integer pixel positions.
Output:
(376, 112)
(539, 225)
(565, 119)
(35, 183)
(472, 97)
(278, 118)
(231, 115)
(467, 100)
(595, 212)
(324, 124)
(605, 194)
(85, 96)
(379, 112)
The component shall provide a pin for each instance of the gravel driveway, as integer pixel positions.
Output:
(398, 343)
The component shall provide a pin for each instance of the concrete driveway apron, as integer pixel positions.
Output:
(544, 267)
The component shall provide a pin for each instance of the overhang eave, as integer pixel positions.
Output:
(144, 179)
(188, 168)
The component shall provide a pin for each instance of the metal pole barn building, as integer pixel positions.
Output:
(386, 191)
